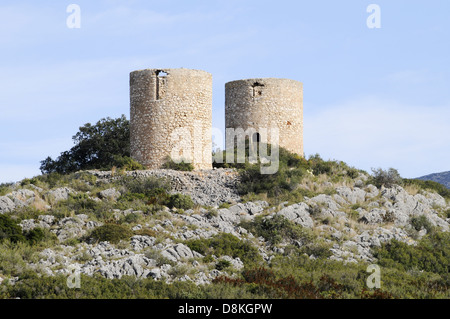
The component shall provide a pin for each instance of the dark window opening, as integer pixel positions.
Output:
(257, 89)
(161, 78)
(256, 138)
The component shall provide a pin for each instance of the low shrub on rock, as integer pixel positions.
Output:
(112, 233)
(9, 230)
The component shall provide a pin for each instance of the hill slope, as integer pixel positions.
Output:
(195, 234)
(443, 178)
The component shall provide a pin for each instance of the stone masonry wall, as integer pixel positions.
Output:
(265, 103)
(171, 109)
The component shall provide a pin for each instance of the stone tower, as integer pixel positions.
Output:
(265, 103)
(171, 113)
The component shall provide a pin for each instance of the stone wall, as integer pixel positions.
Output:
(266, 103)
(171, 112)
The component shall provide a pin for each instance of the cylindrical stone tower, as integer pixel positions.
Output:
(171, 116)
(266, 103)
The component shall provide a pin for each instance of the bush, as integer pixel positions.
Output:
(384, 178)
(150, 190)
(226, 244)
(182, 166)
(112, 233)
(180, 201)
(419, 222)
(222, 264)
(277, 229)
(35, 235)
(148, 186)
(127, 163)
(9, 230)
(5, 188)
(131, 218)
(431, 254)
(100, 146)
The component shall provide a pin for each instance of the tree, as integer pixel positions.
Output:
(384, 178)
(100, 146)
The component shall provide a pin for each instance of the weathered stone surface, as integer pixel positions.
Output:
(179, 252)
(60, 194)
(165, 107)
(375, 216)
(263, 103)
(353, 196)
(111, 194)
(6, 205)
(327, 201)
(298, 213)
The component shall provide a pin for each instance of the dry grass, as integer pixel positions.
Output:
(412, 189)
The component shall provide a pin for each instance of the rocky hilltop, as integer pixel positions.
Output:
(345, 220)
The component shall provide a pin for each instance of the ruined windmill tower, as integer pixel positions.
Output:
(169, 109)
(266, 103)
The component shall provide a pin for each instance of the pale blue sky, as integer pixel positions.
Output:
(372, 97)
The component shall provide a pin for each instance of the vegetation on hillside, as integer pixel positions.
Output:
(299, 268)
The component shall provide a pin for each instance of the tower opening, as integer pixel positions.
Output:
(161, 80)
(256, 138)
(257, 89)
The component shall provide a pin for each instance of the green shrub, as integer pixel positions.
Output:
(431, 254)
(5, 188)
(319, 250)
(277, 229)
(80, 203)
(223, 264)
(35, 235)
(147, 191)
(212, 213)
(9, 230)
(419, 222)
(99, 146)
(180, 201)
(208, 259)
(127, 163)
(385, 178)
(182, 166)
(148, 186)
(131, 218)
(112, 233)
(226, 244)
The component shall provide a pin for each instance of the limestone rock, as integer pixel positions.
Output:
(298, 213)
(110, 194)
(60, 194)
(353, 196)
(6, 205)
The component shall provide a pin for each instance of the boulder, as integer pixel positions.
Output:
(60, 194)
(110, 194)
(353, 196)
(298, 213)
(6, 205)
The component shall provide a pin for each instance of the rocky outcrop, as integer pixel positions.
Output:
(299, 214)
(208, 188)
